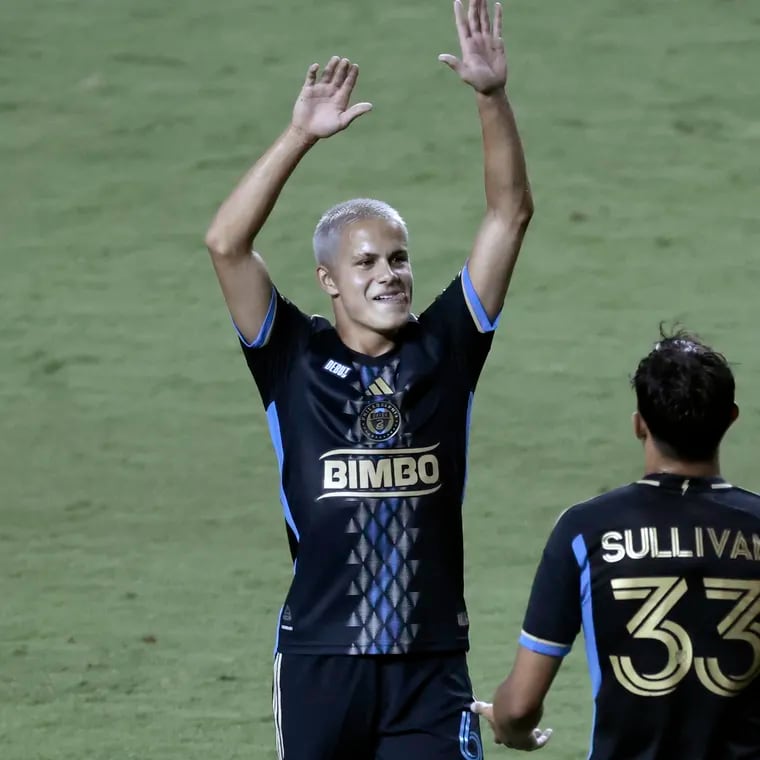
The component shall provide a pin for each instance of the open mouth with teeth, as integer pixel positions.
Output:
(399, 297)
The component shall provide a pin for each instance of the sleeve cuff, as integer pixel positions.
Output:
(542, 646)
(266, 327)
(482, 321)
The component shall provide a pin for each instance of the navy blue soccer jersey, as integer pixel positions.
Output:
(372, 454)
(663, 576)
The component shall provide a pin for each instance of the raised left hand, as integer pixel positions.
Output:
(482, 64)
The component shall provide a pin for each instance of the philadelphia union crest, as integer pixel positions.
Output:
(380, 420)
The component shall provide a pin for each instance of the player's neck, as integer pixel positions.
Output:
(656, 462)
(364, 341)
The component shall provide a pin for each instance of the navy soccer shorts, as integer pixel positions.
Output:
(387, 707)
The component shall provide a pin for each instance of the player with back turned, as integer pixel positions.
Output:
(370, 417)
(663, 576)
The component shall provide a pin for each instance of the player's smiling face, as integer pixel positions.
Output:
(369, 277)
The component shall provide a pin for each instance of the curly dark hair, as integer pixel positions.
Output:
(685, 392)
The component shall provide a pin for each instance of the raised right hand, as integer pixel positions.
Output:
(322, 107)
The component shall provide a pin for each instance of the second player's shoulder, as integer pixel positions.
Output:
(601, 503)
(588, 518)
(739, 498)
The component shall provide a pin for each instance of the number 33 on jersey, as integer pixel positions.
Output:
(663, 576)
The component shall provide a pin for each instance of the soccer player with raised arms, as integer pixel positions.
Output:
(663, 576)
(369, 417)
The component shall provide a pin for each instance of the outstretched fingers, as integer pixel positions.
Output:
(474, 15)
(329, 70)
(349, 81)
(498, 15)
(485, 20)
(311, 75)
(341, 72)
(460, 16)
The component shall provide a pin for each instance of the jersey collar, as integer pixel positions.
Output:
(674, 482)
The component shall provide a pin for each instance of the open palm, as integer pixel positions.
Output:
(322, 107)
(483, 64)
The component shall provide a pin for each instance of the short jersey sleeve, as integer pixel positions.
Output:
(459, 319)
(553, 617)
(272, 353)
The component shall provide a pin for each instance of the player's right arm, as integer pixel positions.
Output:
(321, 111)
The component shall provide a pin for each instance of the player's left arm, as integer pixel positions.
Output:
(518, 704)
(509, 204)
(551, 623)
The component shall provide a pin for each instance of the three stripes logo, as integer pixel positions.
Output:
(379, 388)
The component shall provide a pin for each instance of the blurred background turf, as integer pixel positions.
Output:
(142, 549)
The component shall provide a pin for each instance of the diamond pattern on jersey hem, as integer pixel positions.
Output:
(386, 571)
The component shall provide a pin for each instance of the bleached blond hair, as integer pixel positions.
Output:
(327, 233)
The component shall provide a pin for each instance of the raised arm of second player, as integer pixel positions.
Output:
(321, 111)
(509, 204)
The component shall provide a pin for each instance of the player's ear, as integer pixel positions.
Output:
(639, 427)
(326, 282)
(734, 414)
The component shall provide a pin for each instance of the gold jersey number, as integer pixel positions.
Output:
(659, 595)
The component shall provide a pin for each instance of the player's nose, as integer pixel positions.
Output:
(387, 273)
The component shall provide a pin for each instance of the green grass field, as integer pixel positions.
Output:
(142, 548)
